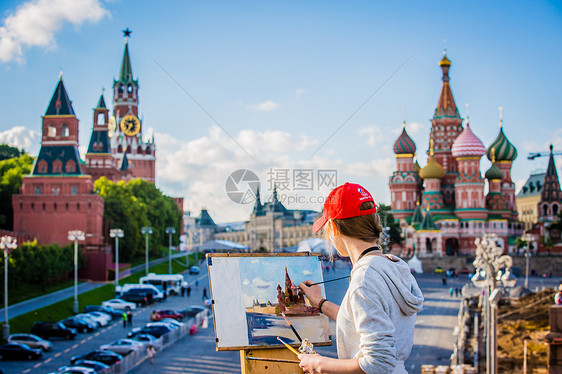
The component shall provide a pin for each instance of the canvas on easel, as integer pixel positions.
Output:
(250, 291)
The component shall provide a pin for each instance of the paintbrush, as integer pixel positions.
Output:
(288, 346)
(328, 281)
(292, 327)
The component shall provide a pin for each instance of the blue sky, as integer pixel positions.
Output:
(281, 77)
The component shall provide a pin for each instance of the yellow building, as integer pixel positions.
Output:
(528, 200)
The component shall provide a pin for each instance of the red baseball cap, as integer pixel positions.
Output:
(344, 202)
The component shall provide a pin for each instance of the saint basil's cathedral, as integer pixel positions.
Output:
(442, 208)
(57, 196)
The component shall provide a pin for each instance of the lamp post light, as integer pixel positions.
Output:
(7, 244)
(527, 238)
(75, 235)
(170, 231)
(146, 231)
(493, 269)
(116, 233)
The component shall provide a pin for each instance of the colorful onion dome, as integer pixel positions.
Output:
(467, 144)
(404, 144)
(505, 151)
(432, 170)
(494, 172)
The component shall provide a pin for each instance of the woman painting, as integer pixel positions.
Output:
(375, 322)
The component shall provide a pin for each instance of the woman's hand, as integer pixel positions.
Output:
(311, 363)
(313, 293)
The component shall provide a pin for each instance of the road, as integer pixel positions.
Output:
(60, 295)
(84, 343)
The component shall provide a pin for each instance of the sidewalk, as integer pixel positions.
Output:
(54, 297)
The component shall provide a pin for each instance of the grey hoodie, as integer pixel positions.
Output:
(377, 316)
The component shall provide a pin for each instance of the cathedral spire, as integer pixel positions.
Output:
(446, 105)
(551, 190)
(60, 104)
(126, 72)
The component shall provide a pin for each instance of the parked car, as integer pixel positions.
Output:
(33, 341)
(139, 298)
(194, 270)
(74, 370)
(465, 270)
(157, 315)
(123, 346)
(146, 339)
(157, 294)
(48, 330)
(106, 357)
(119, 304)
(156, 331)
(99, 367)
(102, 319)
(166, 322)
(88, 318)
(78, 324)
(438, 270)
(193, 310)
(18, 351)
(115, 314)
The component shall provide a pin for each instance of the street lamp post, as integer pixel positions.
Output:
(146, 231)
(116, 233)
(493, 268)
(7, 244)
(170, 231)
(75, 235)
(527, 237)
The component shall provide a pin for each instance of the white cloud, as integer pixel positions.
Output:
(255, 262)
(306, 272)
(35, 22)
(414, 128)
(266, 106)
(299, 92)
(21, 137)
(246, 282)
(261, 284)
(373, 134)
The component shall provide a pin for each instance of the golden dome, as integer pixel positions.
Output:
(432, 170)
(445, 61)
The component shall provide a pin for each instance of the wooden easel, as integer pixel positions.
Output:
(274, 360)
(257, 360)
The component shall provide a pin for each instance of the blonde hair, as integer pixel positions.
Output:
(367, 228)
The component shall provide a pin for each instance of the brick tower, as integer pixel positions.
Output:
(57, 196)
(470, 203)
(99, 160)
(551, 195)
(405, 181)
(446, 125)
(141, 155)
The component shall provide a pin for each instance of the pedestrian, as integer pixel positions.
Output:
(558, 296)
(129, 318)
(457, 291)
(165, 290)
(444, 280)
(451, 291)
(183, 289)
(375, 322)
(188, 290)
(124, 318)
(204, 293)
(150, 351)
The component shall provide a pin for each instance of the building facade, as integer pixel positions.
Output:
(442, 207)
(528, 200)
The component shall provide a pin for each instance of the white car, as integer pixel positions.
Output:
(102, 319)
(123, 346)
(88, 318)
(31, 340)
(74, 370)
(119, 304)
(146, 340)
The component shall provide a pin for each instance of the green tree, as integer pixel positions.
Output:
(130, 206)
(12, 171)
(7, 151)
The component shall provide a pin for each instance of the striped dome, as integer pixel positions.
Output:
(404, 144)
(467, 144)
(494, 172)
(505, 151)
(432, 170)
